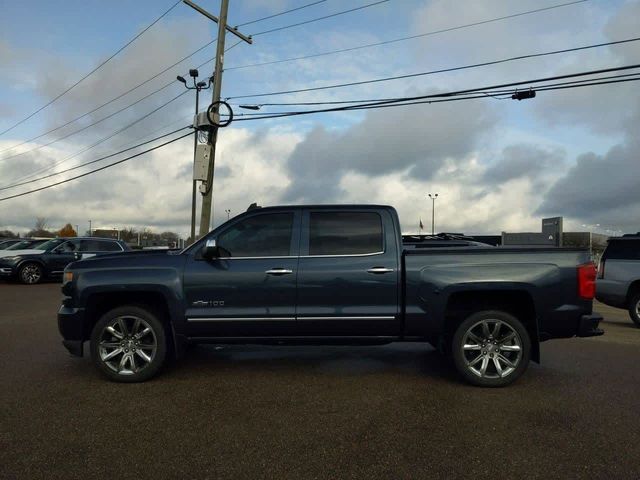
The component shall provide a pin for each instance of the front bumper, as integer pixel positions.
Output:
(6, 272)
(588, 326)
(71, 327)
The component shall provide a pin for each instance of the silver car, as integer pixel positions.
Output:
(618, 282)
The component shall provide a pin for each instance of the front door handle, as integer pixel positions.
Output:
(378, 270)
(279, 271)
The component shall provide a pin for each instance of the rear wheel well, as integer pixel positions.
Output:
(100, 303)
(516, 302)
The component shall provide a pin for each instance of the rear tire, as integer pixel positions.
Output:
(491, 348)
(30, 273)
(634, 308)
(129, 344)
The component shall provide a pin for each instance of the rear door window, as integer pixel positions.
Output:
(345, 233)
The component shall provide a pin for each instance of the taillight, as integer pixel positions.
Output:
(587, 281)
(601, 268)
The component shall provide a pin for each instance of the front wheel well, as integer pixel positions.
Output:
(100, 303)
(518, 303)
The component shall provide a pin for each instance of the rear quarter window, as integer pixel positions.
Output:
(623, 250)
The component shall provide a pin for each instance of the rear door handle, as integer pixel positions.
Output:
(279, 271)
(378, 270)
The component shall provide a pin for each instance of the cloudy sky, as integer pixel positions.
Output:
(497, 165)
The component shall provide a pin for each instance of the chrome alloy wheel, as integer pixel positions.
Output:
(491, 349)
(30, 274)
(127, 345)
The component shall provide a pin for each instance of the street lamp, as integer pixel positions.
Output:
(433, 212)
(197, 86)
(228, 213)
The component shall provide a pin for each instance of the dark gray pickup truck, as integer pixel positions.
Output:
(327, 275)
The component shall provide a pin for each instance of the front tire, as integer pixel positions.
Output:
(129, 344)
(491, 348)
(634, 308)
(30, 273)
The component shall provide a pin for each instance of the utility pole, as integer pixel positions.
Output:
(197, 86)
(228, 211)
(90, 234)
(207, 187)
(433, 212)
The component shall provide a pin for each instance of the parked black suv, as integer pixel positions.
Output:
(50, 258)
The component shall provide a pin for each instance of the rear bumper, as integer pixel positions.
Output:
(588, 326)
(71, 327)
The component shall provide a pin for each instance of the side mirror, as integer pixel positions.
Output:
(210, 250)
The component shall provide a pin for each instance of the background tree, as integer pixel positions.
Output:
(7, 234)
(40, 229)
(67, 231)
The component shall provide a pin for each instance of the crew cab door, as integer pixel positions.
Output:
(250, 290)
(348, 274)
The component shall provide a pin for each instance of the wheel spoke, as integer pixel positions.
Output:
(123, 327)
(506, 361)
(132, 362)
(143, 356)
(475, 360)
(508, 337)
(485, 329)
(122, 363)
(110, 344)
(114, 332)
(143, 333)
(496, 329)
(136, 326)
(510, 348)
(471, 347)
(111, 354)
(485, 364)
(474, 337)
(496, 362)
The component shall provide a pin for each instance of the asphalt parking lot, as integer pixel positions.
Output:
(394, 411)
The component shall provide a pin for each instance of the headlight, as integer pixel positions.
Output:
(67, 277)
(11, 259)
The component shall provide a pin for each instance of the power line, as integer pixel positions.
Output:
(92, 161)
(138, 120)
(401, 39)
(477, 90)
(281, 13)
(321, 18)
(432, 72)
(115, 98)
(96, 170)
(59, 162)
(92, 71)
(38, 147)
(491, 93)
(342, 102)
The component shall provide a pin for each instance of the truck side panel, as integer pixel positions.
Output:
(544, 280)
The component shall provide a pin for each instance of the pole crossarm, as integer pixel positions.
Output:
(210, 16)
